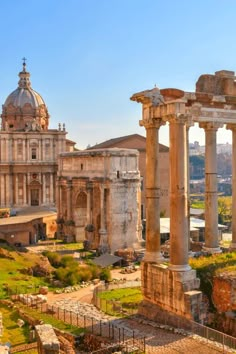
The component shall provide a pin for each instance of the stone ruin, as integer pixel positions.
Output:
(174, 288)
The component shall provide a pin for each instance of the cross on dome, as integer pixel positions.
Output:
(24, 63)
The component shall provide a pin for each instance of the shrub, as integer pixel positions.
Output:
(105, 274)
(54, 258)
(68, 261)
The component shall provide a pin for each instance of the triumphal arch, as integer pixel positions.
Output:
(173, 288)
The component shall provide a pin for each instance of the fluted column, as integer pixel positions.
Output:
(69, 199)
(211, 192)
(233, 128)
(179, 244)
(153, 251)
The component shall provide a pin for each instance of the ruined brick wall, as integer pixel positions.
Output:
(224, 293)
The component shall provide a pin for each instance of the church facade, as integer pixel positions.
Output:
(28, 149)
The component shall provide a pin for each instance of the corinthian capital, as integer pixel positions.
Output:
(211, 125)
(152, 123)
(231, 127)
(178, 118)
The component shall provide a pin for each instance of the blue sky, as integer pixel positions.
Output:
(86, 58)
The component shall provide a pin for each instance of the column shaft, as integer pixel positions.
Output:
(17, 190)
(179, 244)
(69, 200)
(233, 223)
(152, 253)
(211, 194)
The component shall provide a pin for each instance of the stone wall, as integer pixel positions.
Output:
(224, 292)
(171, 291)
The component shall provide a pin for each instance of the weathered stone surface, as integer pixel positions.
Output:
(48, 341)
(101, 188)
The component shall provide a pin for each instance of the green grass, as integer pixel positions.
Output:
(13, 277)
(198, 204)
(12, 333)
(59, 246)
(127, 298)
(49, 319)
(208, 267)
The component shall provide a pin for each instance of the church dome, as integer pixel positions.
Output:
(24, 107)
(21, 96)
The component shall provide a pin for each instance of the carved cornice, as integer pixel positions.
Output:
(152, 97)
(218, 115)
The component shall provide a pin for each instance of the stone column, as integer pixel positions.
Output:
(58, 197)
(89, 205)
(51, 189)
(44, 189)
(103, 246)
(211, 192)
(179, 243)
(10, 179)
(69, 200)
(153, 253)
(24, 189)
(28, 190)
(233, 128)
(189, 124)
(24, 149)
(16, 190)
(2, 190)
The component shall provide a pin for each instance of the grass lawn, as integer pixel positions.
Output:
(13, 277)
(127, 298)
(49, 319)
(12, 333)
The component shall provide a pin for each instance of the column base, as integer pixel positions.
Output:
(179, 268)
(232, 246)
(212, 250)
(153, 257)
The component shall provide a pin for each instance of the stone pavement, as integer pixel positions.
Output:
(158, 340)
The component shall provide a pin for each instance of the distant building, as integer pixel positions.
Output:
(29, 149)
(136, 141)
(99, 198)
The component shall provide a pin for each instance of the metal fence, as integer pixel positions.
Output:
(108, 329)
(113, 307)
(167, 319)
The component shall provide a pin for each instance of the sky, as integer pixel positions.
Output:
(87, 57)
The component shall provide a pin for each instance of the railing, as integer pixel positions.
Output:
(167, 319)
(113, 307)
(107, 329)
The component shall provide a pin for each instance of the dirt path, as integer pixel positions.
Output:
(86, 294)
